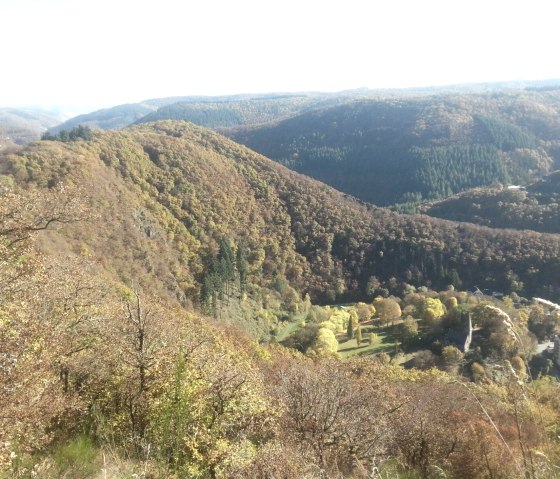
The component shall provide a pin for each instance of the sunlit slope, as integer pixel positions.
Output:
(535, 207)
(163, 195)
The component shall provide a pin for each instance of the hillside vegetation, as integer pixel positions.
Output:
(535, 207)
(246, 112)
(385, 147)
(119, 116)
(113, 247)
(176, 190)
(108, 118)
(212, 111)
(403, 150)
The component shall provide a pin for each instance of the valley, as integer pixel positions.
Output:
(175, 304)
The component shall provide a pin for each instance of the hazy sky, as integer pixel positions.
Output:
(105, 52)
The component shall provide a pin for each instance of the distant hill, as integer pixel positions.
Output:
(119, 116)
(402, 150)
(108, 118)
(535, 207)
(217, 112)
(251, 111)
(19, 126)
(166, 194)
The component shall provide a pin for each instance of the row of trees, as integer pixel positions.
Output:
(81, 132)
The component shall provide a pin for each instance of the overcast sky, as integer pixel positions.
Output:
(105, 52)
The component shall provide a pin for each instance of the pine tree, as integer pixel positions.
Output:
(241, 265)
(350, 329)
(358, 335)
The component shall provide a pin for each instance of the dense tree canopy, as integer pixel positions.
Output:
(402, 150)
(109, 368)
(178, 190)
(535, 207)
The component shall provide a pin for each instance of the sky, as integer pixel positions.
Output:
(89, 53)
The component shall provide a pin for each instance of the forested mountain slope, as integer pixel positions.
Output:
(105, 245)
(119, 116)
(244, 112)
(210, 111)
(165, 194)
(403, 150)
(535, 207)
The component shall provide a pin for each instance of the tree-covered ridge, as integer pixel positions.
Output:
(213, 111)
(234, 113)
(108, 118)
(401, 150)
(109, 369)
(176, 190)
(535, 207)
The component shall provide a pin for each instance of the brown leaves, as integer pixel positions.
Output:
(340, 414)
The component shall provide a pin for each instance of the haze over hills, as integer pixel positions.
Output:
(119, 116)
(19, 126)
(210, 111)
(108, 118)
(231, 112)
(224, 111)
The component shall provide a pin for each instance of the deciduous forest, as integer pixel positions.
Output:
(174, 304)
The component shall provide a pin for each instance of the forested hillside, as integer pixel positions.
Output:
(387, 148)
(117, 249)
(118, 116)
(535, 207)
(243, 112)
(403, 150)
(213, 111)
(177, 190)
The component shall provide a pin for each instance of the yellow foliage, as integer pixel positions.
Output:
(124, 292)
(325, 343)
(433, 309)
(451, 303)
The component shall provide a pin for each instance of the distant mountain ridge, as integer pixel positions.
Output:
(390, 148)
(405, 150)
(108, 118)
(218, 112)
(221, 115)
(116, 117)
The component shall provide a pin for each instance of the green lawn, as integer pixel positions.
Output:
(384, 343)
(287, 328)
